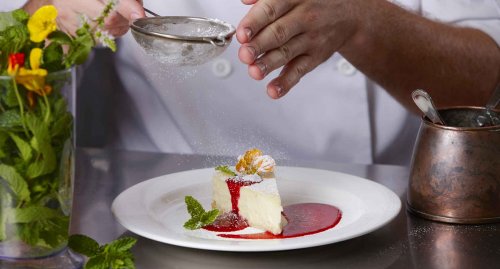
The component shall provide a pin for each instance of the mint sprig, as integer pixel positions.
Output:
(114, 255)
(225, 169)
(199, 217)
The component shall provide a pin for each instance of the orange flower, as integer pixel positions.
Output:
(32, 97)
(33, 79)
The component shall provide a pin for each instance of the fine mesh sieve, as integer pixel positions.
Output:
(181, 40)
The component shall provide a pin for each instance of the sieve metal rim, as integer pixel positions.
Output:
(214, 40)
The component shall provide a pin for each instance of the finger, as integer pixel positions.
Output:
(91, 9)
(277, 58)
(260, 15)
(130, 10)
(116, 25)
(70, 16)
(273, 36)
(249, 2)
(290, 76)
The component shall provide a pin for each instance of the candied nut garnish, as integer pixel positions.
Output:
(251, 154)
(264, 164)
(245, 162)
(241, 166)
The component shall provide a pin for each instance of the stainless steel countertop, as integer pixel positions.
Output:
(406, 242)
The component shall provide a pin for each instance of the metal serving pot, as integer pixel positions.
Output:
(455, 170)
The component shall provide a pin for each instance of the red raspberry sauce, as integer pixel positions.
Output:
(234, 185)
(303, 219)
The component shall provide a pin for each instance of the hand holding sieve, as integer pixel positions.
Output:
(182, 40)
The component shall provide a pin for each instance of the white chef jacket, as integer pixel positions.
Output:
(334, 114)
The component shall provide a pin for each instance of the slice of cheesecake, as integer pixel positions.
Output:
(252, 193)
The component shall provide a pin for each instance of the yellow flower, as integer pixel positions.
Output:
(33, 79)
(42, 23)
(35, 58)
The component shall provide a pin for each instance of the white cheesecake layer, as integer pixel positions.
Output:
(259, 204)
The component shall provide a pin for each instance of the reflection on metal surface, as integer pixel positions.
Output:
(100, 164)
(152, 254)
(447, 246)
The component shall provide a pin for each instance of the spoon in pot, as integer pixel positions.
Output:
(424, 101)
(490, 117)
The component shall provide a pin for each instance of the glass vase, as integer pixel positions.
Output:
(37, 172)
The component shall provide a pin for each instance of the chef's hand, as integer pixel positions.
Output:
(296, 34)
(70, 11)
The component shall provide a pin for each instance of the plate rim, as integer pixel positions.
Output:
(244, 247)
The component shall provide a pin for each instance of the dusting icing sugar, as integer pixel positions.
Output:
(254, 178)
(266, 186)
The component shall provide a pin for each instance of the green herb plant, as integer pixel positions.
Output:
(36, 154)
(199, 217)
(114, 255)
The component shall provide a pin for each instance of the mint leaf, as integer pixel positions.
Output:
(8, 93)
(13, 39)
(122, 244)
(23, 147)
(30, 214)
(225, 169)
(3, 144)
(199, 217)
(195, 209)
(15, 182)
(62, 126)
(80, 48)
(83, 244)
(59, 37)
(4, 203)
(45, 160)
(10, 119)
(97, 262)
(53, 57)
(54, 231)
(193, 224)
(20, 15)
(209, 217)
(6, 19)
(114, 255)
(29, 233)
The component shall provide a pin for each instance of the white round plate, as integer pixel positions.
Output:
(155, 208)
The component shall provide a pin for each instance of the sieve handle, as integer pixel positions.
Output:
(216, 42)
(151, 12)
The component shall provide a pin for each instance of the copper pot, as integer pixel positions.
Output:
(455, 170)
